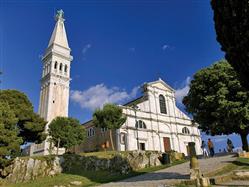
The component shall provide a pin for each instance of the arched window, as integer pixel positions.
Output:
(43, 71)
(185, 130)
(46, 69)
(55, 65)
(90, 132)
(162, 104)
(122, 138)
(60, 67)
(65, 69)
(140, 124)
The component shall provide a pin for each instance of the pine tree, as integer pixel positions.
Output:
(31, 126)
(9, 140)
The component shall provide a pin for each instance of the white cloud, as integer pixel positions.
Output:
(164, 47)
(167, 47)
(86, 48)
(96, 96)
(183, 91)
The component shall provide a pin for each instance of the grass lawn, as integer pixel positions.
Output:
(101, 154)
(244, 162)
(239, 163)
(88, 178)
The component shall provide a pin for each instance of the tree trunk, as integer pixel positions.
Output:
(244, 141)
(111, 139)
(58, 145)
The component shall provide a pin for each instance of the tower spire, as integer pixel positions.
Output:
(56, 73)
(59, 35)
(55, 81)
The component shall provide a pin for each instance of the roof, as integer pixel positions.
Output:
(162, 82)
(89, 122)
(135, 101)
(59, 35)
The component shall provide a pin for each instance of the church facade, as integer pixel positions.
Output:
(153, 123)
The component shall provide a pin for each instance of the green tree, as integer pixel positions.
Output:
(9, 140)
(231, 24)
(218, 102)
(66, 132)
(31, 126)
(110, 117)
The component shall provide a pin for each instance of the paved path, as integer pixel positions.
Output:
(240, 183)
(172, 174)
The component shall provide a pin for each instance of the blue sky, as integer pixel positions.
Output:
(116, 45)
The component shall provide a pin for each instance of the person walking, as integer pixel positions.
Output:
(229, 145)
(204, 149)
(211, 147)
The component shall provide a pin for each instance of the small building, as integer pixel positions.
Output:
(153, 123)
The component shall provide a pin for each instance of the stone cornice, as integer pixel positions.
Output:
(161, 115)
(47, 80)
(162, 121)
(56, 53)
(157, 132)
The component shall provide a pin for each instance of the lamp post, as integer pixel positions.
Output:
(135, 107)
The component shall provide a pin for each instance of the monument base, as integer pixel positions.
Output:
(195, 173)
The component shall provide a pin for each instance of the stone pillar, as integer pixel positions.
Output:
(194, 164)
(195, 173)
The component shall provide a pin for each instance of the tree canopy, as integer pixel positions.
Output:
(30, 125)
(232, 23)
(218, 102)
(66, 132)
(9, 140)
(110, 117)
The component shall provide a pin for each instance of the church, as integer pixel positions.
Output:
(153, 120)
(153, 123)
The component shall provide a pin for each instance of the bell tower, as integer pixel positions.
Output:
(54, 94)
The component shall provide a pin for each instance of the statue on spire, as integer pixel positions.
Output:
(59, 15)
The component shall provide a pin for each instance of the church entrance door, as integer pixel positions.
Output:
(187, 147)
(166, 142)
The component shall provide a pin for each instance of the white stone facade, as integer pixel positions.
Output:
(54, 95)
(155, 129)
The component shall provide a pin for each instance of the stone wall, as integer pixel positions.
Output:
(243, 154)
(25, 169)
(30, 168)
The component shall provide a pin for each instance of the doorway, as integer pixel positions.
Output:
(166, 142)
(187, 148)
(142, 146)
